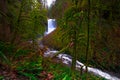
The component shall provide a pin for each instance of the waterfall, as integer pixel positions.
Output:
(50, 2)
(67, 59)
(51, 26)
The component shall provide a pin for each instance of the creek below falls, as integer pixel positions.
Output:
(67, 59)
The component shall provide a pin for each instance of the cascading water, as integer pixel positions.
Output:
(51, 26)
(67, 59)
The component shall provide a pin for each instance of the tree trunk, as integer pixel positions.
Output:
(4, 27)
(88, 31)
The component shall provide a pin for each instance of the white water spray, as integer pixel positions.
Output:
(67, 59)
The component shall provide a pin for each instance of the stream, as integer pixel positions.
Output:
(67, 59)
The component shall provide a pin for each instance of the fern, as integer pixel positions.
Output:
(4, 58)
(29, 75)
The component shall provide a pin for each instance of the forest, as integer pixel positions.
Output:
(85, 44)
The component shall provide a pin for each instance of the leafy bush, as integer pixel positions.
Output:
(30, 68)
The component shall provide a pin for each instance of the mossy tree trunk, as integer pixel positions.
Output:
(88, 31)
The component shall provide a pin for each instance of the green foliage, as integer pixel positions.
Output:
(21, 52)
(31, 65)
(4, 55)
(8, 54)
(66, 78)
(4, 58)
(73, 19)
(6, 47)
(1, 77)
(62, 72)
(58, 9)
(33, 22)
(55, 38)
(104, 29)
(25, 20)
(29, 75)
(30, 68)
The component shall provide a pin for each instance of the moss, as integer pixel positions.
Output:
(100, 55)
(53, 40)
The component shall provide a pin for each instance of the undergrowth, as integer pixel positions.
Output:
(57, 71)
(22, 64)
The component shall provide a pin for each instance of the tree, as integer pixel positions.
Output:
(38, 19)
(4, 26)
(73, 20)
(103, 21)
(16, 19)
